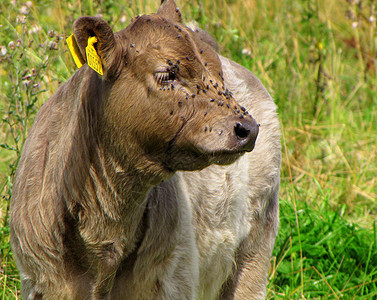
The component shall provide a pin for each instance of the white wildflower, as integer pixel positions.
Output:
(12, 45)
(123, 19)
(246, 51)
(24, 10)
(3, 51)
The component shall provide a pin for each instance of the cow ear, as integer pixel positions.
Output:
(86, 27)
(169, 10)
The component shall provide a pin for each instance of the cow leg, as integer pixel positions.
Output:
(249, 278)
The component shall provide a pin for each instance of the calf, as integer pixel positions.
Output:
(140, 183)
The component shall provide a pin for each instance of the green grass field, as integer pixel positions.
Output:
(317, 58)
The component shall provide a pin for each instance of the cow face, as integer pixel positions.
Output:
(166, 107)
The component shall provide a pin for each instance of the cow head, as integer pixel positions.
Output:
(165, 106)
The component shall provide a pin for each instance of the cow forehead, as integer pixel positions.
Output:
(155, 30)
(174, 38)
(153, 25)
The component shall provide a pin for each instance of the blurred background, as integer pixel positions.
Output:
(317, 58)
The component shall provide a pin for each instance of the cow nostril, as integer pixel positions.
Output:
(241, 131)
(246, 133)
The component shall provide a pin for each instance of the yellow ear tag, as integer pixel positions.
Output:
(92, 57)
(75, 51)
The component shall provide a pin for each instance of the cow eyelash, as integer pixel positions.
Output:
(165, 77)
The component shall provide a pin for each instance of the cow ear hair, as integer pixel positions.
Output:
(168, 9)
(86, 27)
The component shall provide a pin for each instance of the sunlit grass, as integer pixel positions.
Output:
(317, 58)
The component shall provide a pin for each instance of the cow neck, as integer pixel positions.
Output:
(98, 191)
(119, 191)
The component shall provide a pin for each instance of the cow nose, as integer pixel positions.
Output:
(246, 132)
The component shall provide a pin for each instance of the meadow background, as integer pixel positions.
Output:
(317, 58)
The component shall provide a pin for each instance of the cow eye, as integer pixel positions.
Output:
(165, 77)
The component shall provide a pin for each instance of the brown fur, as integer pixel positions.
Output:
(103, 206)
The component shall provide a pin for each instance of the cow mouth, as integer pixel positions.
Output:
(226, 157)
(194, 158)
(200, 155)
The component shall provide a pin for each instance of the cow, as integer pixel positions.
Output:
(158, 179)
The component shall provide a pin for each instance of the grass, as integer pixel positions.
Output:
(318, 60)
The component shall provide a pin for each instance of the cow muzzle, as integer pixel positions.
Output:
(245, 134)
